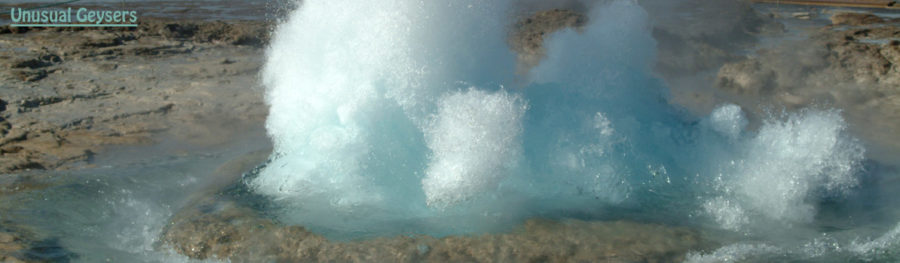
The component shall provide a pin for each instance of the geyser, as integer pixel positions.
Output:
(404, 116)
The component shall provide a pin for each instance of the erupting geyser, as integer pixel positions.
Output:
(405, 116)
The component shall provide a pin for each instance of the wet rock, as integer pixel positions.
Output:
(11, 247)
(39, 62)
(528, 37)
(855, 19)
(117, 40)
(31, 63)
(891, 52)
(213, 225)
(176, 30)
(5, 126)
(40, 101)
(86, 88)
(14, 243)
(18, 244)
(746, 78)
(32, 69)
(240, 235)
(250, 33)
(48, 250)
(107, 67)
(159, 50)
(30, 75)
(8, 29)
(39, 150)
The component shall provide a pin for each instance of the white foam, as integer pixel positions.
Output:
(603, 125)
(320, 77)
(726, 213)
(791, 159)
(788, 164)
(879, 247)
(728, 120)
(739, 252)
(343, 76)
(821, 247)
(475, 141)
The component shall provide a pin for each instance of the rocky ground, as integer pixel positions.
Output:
(67, 93)
(236, 236)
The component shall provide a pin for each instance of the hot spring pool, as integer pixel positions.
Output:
(407, 117)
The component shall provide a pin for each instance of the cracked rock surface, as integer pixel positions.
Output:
(65, 94)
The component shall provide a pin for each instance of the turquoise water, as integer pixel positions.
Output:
(116, 211)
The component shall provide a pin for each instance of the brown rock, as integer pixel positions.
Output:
(251, 33)
(855, 19)
(241, 235)
(528, 37)
(92, 87)
(215, 227)
(12, 245)
(747, 77)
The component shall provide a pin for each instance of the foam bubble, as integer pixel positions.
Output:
(885, 246)
(351, 85)
(728, 120)
(787, 165)
(728, 214)
(739, 252)
(818, 247)
(321, 99)
(475, 142)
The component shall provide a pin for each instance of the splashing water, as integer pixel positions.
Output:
(474, 142)
(406, 117)
(786, 162)
(377, 116)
